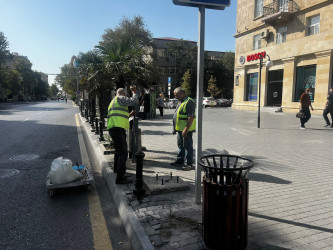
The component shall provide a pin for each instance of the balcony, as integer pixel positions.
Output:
(279, 11)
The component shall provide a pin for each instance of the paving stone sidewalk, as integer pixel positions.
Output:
(291, 195)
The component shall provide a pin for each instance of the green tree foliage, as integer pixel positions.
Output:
(184, 54)
(223, 70)
(16, 75)
(14, 82)
(212, 87)
(4, 56)
(54, 90)
(128, 29)
(67, 79)
(95, 79)
(228, 61)
(186, 83)
(122, 50)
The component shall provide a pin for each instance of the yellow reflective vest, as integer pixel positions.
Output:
(117, 115)
(182, 118)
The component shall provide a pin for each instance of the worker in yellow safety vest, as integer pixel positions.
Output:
(117, 124)
(184, 123)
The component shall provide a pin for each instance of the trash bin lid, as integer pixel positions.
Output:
(225, 162)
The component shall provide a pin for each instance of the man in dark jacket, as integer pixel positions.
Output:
(305, 103)
(329, 108)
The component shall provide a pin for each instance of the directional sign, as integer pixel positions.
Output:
(210, 4)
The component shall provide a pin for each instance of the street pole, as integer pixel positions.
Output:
(268, 64)
(200, 77)
(259, 92)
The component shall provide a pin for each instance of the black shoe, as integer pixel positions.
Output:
(123, 180)
(187, 167)
(177, 163)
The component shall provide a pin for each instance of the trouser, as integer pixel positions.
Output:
(161, 110)
(118, 136)
(185, 148)
(327, 110)
(307, 116)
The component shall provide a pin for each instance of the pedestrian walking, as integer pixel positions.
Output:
(117, 124)
(184, 124)
(142, 113)
(329, 109)
(160, 104)
(305, 104)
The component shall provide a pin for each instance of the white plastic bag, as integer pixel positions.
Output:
(62, 171)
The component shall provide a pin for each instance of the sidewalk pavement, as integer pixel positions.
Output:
(290, 200)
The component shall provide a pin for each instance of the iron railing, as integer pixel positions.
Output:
(276, 6)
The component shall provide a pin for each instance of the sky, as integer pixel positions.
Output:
(50, 32)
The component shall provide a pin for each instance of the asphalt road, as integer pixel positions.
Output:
(32, 136)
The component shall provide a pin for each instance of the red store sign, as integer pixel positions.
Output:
(256, 56)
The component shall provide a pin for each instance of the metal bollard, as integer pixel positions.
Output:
(139, 191)
(91, 119)
(86, 114)
(81, 108)
(96, 126)
(101, 127)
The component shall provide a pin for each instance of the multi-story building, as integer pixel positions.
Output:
(172, 69)
(297, 36)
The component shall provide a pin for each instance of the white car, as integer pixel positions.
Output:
(171, 104)
(208, 101)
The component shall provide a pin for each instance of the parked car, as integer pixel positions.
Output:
(208, 101)
(171, 104)
(224, 102)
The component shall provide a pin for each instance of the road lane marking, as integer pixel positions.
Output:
(100, 231)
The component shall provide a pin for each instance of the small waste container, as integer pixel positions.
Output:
(225, 201)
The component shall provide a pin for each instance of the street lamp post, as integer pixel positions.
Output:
(269, 64)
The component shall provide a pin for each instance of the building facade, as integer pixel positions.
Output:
(297, 36)
(171, 69)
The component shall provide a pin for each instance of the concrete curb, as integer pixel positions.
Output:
(134, 230)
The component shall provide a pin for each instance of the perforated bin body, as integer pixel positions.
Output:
(225, 201)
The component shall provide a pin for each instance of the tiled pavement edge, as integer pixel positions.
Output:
(136, 233)
(290, 206)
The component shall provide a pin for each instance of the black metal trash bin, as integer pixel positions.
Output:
(225, 201)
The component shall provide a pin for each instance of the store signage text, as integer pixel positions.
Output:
(256, 56)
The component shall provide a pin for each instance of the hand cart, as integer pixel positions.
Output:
(87, 180)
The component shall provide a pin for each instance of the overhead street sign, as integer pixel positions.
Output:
(210, 4)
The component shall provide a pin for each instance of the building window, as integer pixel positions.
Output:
(172, 71)
(162, 71)
(257, 42)
(284, 5)
(314, 25)
(162, 53)
(305, 78)
(165, 53)
(251, 87)
(281, 34)
(259, 8)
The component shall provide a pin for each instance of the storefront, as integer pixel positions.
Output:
(300, 48)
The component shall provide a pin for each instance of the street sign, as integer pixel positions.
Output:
(210, 4)
(169, 80)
